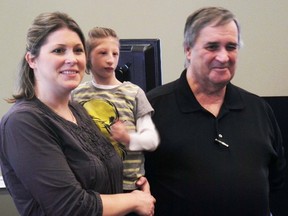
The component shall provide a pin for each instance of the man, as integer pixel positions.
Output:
(221, 149)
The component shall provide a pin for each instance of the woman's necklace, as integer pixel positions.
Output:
(69, 117)
(73, 119)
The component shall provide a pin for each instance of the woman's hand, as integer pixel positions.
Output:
(138, 201)
(146, 203)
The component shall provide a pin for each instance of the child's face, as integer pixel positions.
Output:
(104, 57)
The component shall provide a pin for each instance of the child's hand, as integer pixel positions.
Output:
(119, 133)
(143, 184)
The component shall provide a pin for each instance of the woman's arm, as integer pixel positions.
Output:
(41, 175)
(120, 204)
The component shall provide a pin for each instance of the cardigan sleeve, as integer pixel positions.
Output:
(41, 173)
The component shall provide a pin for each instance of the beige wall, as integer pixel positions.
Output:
(262, 66)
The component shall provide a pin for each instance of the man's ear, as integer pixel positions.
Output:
(187, 51)
(30, 60)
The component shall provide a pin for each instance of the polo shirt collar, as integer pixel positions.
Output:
(187, 102)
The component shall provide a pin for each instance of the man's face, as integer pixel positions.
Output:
(213, 57)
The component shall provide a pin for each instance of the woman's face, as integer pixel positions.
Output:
(60, 66)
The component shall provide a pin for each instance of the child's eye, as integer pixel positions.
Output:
(115, 54)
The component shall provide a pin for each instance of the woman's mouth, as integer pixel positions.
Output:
(68, 72)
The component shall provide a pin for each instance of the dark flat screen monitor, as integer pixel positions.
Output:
(140, 62)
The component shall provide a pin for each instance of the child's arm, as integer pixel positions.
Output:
(146, 136)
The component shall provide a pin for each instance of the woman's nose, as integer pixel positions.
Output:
(71, 58)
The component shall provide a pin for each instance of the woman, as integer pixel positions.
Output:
(53, 158)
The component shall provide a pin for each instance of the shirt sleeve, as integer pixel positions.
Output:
(277, 170)
(146, 136)
(278, 163)
(34, 152)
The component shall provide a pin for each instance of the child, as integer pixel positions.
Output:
(121, 110)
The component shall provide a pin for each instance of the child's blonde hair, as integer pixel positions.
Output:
(93, 35)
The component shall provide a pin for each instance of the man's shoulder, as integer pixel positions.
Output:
(165, 89)
(245, 93)
(246, 96)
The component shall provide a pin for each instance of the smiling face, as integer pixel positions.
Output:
(213, 57)
(60, 65)
(104, 58)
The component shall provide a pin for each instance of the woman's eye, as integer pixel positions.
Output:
(79, 50)
(59, 50)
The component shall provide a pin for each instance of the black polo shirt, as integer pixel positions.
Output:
(192, 174)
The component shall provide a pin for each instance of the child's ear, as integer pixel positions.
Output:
(30, 60)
